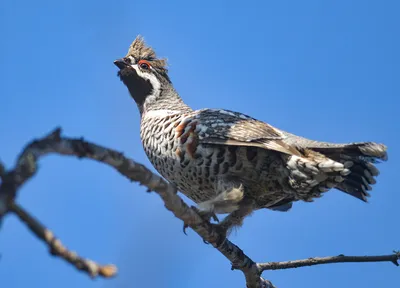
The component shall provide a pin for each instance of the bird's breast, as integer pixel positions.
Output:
(174, 147)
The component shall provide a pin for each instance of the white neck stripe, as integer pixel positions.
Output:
(154, 82)
(163, 112)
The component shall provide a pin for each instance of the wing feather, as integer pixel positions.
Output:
(232, 128)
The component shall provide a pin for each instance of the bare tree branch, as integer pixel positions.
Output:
(57, 248)
(26, 167)
(328, 260)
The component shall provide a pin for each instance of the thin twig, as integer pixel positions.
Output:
(328, 260)
(58, 249)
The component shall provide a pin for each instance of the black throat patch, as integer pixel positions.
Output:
(138, 87)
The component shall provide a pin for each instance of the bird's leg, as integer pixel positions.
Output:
(235, 219)
(205, 214)
(229, 194)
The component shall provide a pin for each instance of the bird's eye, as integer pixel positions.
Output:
(144, 64)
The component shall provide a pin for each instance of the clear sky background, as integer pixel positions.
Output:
(327, 70)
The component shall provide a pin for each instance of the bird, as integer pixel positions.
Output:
(231, 163)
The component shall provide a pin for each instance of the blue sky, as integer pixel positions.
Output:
(327, 70)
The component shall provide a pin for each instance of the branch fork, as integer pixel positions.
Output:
(26, 167)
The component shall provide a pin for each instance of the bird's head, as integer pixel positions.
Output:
(145, 76)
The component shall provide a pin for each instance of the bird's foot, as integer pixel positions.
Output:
(205, 215)
(222, 232)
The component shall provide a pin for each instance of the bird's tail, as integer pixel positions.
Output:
(360, 160)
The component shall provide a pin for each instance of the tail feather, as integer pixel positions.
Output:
(360, 159)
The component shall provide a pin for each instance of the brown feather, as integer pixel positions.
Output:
(277, 145)
(140, 50)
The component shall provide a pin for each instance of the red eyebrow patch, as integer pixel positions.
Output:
(144, 62)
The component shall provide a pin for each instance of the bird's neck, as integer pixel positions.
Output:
(167, 100)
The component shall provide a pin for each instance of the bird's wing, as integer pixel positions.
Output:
(225, 127)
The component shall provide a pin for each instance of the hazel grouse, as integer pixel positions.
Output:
(228, 162)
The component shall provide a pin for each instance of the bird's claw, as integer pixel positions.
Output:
(221, 234)
(205, 215)
(214, 217)
(221, 230)
(185, 226)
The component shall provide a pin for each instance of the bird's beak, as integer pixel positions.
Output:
(121, 63)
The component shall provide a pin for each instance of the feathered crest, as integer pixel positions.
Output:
(139, 50)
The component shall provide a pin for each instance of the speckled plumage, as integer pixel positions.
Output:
(180, 148)
(228, 162)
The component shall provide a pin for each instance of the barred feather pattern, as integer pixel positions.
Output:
(195, 151)
(172, 144)
(218, 157)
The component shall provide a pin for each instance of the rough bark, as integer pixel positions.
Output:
(26, 167)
